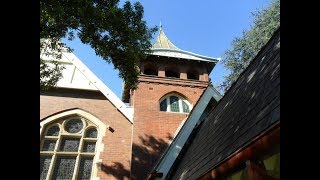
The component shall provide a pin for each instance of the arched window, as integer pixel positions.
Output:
(174, 103)
(150, 72)
(68, 149)
(193, 75)
(172, 71)
(150, 69)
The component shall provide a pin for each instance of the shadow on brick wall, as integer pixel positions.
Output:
(145, 155)
(117, 170)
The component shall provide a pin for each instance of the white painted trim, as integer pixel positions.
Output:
(170, 155)
(70, 58)
(51, 61)
(178, 128)
(182, 54)
(126, 111)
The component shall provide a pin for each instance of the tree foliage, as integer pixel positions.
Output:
(246, 47)
(49, 74)
(50, 68)
(117, 34)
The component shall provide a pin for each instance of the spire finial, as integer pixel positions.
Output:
(160, 26)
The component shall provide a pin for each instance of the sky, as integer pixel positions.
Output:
(205, 27)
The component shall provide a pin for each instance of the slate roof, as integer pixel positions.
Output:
(249, 107)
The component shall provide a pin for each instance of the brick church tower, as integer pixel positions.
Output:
(170, 84)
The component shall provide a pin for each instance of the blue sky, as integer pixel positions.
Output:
(204, 27)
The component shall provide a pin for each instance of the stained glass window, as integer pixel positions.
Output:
(91, 133)
(49, 145)
(53, 131)
(163, 105)
(44, 166)
(85, 168)
(60, 158)
(74, 126)
(89, 146)
(69, 144)
(185, 107)
(64, 167)
(174, 103)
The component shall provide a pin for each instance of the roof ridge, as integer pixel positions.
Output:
(100, 85)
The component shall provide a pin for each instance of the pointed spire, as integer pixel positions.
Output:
(164, 47)
(162, 41)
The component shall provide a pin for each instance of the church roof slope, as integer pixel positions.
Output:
(77, 75)
(250, 107)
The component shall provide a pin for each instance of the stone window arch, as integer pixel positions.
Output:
(70, 145)
(174, 103)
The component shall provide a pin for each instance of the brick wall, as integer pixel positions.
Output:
(182, 66)
(117, 145)
(153, 129)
